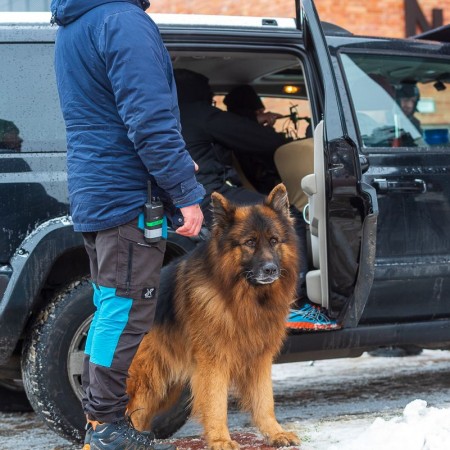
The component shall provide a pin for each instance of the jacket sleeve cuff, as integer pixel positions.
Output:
(187, 193)
(195, 202)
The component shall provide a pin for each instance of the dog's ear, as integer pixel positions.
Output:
(278, 199)
(223, 210)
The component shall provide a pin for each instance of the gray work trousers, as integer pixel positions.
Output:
(125, 272)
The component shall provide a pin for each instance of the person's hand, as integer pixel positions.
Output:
(195, 166)
(268, 118)
(193, 219)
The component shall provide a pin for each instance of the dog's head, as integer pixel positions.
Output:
(258, 242)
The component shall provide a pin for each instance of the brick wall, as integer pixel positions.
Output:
(366, 17)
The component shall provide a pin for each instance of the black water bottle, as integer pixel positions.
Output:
(153, 218)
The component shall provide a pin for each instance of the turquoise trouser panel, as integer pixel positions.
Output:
(109, 322)
(119, 325)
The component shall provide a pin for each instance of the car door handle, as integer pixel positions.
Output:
(383, 185)
(364, 163)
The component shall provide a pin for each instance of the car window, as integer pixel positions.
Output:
(296, 114)
(400, 101)
(30, 115)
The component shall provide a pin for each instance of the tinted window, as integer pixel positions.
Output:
(400, 101)
(30, 116)
(296, 114)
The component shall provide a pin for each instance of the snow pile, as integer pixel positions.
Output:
(418, 428)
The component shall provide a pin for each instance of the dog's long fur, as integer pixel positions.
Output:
(221, 321)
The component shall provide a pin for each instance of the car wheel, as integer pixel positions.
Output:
(13, 397)
(52, 364)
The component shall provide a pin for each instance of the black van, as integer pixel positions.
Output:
(379, 192)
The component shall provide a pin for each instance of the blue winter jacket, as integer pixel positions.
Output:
(119, 102)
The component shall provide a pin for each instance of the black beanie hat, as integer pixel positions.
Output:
(408, 90)
(243, 97)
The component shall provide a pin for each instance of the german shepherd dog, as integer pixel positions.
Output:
(221, 321)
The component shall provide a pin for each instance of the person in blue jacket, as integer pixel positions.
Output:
(119, 102)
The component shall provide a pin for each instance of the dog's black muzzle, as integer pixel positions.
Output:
(267, 273)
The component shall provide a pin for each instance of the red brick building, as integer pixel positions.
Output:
(366, 17)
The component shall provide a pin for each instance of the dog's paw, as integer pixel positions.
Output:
(224, 445)
(284, 439)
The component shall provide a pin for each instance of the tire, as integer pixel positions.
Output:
(52, 363)
(13, 397)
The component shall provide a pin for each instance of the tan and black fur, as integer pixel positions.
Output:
(221, 321)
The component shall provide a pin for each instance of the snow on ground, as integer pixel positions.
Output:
(418, 428)
(361, 403)
(372, 403)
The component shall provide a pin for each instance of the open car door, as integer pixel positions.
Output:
(342, 210)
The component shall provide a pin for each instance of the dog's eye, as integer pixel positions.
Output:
(273, 241)
(250, 243)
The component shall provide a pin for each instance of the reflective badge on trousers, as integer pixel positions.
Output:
(148, 293)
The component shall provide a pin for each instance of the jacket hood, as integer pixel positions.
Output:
(67, 11)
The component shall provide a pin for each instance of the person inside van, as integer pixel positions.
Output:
(259, 168)
(290, 162)
(408, 96)
(212, 136)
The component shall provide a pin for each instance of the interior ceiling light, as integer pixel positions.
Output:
(290, 89)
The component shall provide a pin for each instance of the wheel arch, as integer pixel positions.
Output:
(31, 266)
